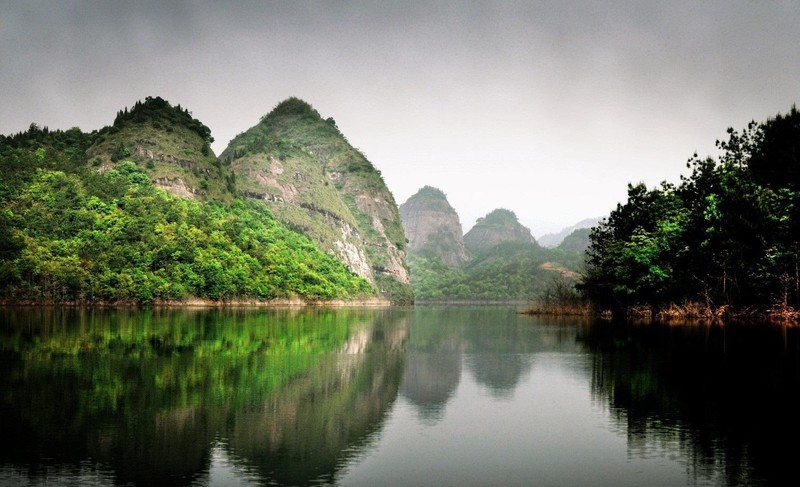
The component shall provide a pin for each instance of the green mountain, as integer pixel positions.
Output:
(577, 241)
(498, 226)
(168, 144)
(509, 271)
(432, 226)
(505, 263)
(309, 176)
(554, 239)
(85, 219)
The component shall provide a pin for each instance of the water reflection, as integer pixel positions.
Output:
(307, 397)
(316, 422)
(726, 398)
(499, 355)
(144, 397)
(496, 343)
(433, 363)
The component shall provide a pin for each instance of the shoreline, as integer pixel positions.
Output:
(205, 303)
(695, 312)
(472, 302)
(722, 314)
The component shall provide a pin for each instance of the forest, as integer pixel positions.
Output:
(74, 234)
(725, 239)
(509, 271)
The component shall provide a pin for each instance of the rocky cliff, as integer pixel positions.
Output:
(432, 226)
(498, 226)
(303, 168)
(171, 146)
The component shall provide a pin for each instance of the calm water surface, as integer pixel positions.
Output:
(416, 396)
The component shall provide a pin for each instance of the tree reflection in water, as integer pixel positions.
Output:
(144, 397)
(301, 397)
(725, 397)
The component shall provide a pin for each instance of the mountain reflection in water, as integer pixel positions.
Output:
(144, 397)
(401, 396)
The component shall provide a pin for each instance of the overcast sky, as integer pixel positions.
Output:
(547, 108)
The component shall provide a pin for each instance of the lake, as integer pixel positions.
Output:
(400, 396)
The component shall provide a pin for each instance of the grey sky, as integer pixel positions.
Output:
(548, 108)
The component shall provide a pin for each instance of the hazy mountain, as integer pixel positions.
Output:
(553, 239)
(432, 226)
(505, 261)
(498, 226)
(509, 271)
(303, 168)
(577, 241)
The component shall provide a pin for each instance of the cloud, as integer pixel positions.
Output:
(544, 107)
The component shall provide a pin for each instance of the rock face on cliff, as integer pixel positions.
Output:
(311, 178)
(171, 146)
(432, 226)
(498, 226)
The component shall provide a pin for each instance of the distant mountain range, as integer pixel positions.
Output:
(496, 260)
(432, 226)
(554, 239)
(497, 226)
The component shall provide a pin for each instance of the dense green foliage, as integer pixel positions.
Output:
(171, 146)
(727, 235)
(70, 234)
(304, 169)
(509, 271)
(160, 113)
(42, 148)
(71, 144)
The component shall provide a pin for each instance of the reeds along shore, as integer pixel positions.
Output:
(725, 313)
(562, 310)
(673, 312)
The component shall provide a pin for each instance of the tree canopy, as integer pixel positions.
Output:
(72, 234)
(727, 235)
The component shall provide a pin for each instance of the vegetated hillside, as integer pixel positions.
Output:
(73, 234)
(577, 241)
(171, 146)
(726, 237)
(508, 271)
(432, 226)
(505, 263)
(304, 170)
(498, 226)
(554, 239)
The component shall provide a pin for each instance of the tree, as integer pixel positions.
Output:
(729, 234)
